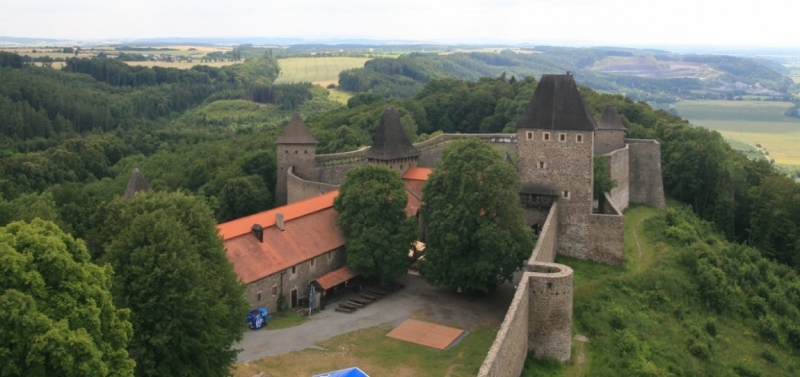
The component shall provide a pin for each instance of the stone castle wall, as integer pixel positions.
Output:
(618, 163)
(646, 184)
(331, 168)
(301, 189)
(568, 166)
(550, 311)
(607, 233)
(299, 156)
(430, 151)
(507, 355)
(606, 141)
(545, 250)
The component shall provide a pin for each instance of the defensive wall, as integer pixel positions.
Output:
(331, 168)
(430, 151)
(646, 184)
(618, 163)
(539, 318)
(300, 189)
(606, 234)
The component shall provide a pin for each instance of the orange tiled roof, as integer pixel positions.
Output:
(417, 174)
(266, 219)
(334, 278)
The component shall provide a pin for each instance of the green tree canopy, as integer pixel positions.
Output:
(243, 196)
(602, 179)
(56, 311)
(477, 237)
(371, 206)
(187, 307)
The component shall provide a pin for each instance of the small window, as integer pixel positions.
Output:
(295, 152)
(258, 296)
(565, 194)
(562, 137)
(274, 290)
(579, 138)
(287, 151)
(306, 152)
(542, 165)
(529, 135)
(294, 268)
(546, 136)
(313, 261)
(330, 255)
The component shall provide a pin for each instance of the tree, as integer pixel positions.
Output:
(602, 180)
(56, 312)
(187, 307)
(477, 236)
(243, 196)
(371, 206)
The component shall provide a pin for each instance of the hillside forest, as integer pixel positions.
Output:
(70, 138)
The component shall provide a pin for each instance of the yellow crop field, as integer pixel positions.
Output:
(752, 122)
(181, 65)
(322, 70)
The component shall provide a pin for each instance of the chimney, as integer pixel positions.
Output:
(258, 231)
(279, 221)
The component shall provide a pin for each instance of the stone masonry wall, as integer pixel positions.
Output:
(646, 184)
(607, 237)
(299, 156)
(331, 168)
(507, 355)
(431, 149)
(299, 189)
(300, 280)
(545, 250)
(618, 164)
(550, 317)
(606, 141)
(566, 165)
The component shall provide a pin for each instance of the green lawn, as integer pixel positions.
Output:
(282, 320)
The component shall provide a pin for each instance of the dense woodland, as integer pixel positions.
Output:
(70, 138)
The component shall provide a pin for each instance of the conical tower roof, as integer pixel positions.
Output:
(136, 183)
(610, 120)
(557, 105)
(296, 132)
(391, 141)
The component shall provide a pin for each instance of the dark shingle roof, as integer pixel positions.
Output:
(296, 132)
(136, 183)
(557, 105)
(610, 120)
(391, 141)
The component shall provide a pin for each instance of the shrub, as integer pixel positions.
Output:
(699, 350)
(769, 356)
(767, 329)
(711, 327)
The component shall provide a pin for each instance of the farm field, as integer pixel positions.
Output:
(322, 71)
(181, 65)
(751, 122)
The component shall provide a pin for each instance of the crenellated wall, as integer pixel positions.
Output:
(646, 184)
(430, 151)
(618, 163)
(507, 355)
(546, 246)
(301, 189)
(607, 235)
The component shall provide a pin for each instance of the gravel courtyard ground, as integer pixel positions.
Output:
(417, 300)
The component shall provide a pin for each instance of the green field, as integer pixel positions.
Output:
(752, 122)
(322, 71)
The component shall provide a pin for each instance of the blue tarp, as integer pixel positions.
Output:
(349, 372)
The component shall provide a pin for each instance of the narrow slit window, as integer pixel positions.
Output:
(258, 296)
(294, 268)
(313, 262)
(565, 194)
(274, 290)
(542, 165)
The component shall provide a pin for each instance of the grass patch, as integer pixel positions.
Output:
(286, 319)
(322, 70)
(377, 355)
(339, 96)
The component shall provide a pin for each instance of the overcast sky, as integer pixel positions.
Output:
(574, 22)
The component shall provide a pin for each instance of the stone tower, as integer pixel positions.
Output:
(391, 146)
(296, 148)
(136, 183)
(555, 144)
(610, 134)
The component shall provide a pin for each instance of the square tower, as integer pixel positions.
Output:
(555, 146)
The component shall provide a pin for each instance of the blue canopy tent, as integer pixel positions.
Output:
(349, 372)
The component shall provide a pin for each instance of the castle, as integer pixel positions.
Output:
(298, 242)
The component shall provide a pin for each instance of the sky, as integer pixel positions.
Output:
(763, 23)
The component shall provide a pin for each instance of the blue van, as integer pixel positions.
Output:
(257, 318)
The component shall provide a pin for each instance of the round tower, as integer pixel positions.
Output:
(550, 316)
(610, 134)
(296, 148)
(391, 146)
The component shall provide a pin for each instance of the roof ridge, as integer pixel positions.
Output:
(296, 132)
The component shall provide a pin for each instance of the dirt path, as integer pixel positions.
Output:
(417, 299)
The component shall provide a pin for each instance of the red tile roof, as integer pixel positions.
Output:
(335, 278)
(417, 174)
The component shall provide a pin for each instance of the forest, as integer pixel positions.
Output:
(69, 140)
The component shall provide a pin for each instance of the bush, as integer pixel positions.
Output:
(769, 356)
(767, 329)
(699, 350)
(711, 327)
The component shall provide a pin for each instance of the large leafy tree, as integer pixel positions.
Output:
(57, 317)
(371, 206)
(477, 236)
(186, 304)
(242, 196)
